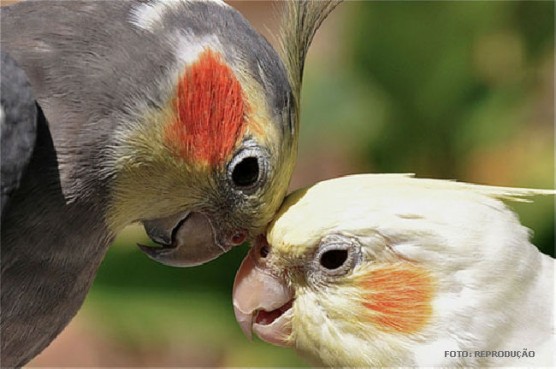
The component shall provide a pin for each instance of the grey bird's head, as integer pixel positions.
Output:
(176, 114)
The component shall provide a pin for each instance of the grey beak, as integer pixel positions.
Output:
(185, 239)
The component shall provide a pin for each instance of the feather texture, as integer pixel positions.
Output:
(441, 267)
(300, 22)
(210, 112)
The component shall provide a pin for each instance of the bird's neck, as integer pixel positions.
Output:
(530, 316)
(508, 310)
(51, 249)
(50, 255)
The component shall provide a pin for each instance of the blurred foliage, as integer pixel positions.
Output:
(455, 75)
(447, 89)
(182, 315)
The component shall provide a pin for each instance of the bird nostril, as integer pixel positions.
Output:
(263, 251)
(262, 248)
(239, 237)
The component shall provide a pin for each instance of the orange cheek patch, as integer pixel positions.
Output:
(398, 297)
(209, 110)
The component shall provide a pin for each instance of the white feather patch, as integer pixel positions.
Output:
(148, 16)
(189, 47)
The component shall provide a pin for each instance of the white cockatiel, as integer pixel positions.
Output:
(390, 270)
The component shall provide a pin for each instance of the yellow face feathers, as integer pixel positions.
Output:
(176, 158)
(391, 270)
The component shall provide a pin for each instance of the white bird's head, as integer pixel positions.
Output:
(389, 270)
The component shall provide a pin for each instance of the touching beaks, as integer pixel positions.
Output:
(187, 239)
(262, 301)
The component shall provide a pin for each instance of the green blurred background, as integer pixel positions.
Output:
(459, 90)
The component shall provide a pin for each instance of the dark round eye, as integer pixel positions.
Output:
(246, 172)
(336, 256)
(333, 259)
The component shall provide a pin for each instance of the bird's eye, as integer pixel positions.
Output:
(333, 259)
(248, 169)
(246, 172)
(336, 256)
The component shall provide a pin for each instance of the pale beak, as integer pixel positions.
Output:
(188, 239)
(262, 301)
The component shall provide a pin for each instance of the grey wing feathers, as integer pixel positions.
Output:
(18, 117)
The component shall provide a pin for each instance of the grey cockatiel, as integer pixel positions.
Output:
(177, 114)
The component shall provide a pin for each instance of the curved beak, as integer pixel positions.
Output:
(262, 302)
(187, 239)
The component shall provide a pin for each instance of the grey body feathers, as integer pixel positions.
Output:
(18, 125)
(91, 71)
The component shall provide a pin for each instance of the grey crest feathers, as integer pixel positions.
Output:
(300, 22)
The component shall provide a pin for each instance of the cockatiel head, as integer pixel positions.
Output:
(177, 114)
(389, 270)
(234, 124)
